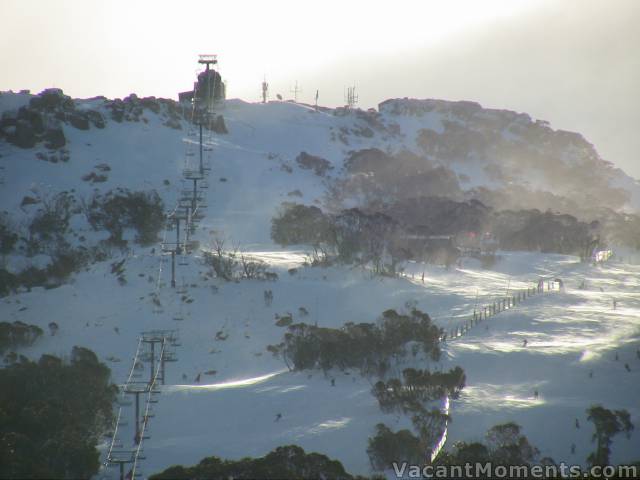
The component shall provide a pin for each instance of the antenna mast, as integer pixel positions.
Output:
(351, 97)
(265, 90)
(296, 90)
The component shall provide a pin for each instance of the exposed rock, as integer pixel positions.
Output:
(24, 136)
(311, 162)
(95, 118)
(54, 138)
(79, 121)
(33, 117)
(27, 200)
(52, 99)
(151, 103)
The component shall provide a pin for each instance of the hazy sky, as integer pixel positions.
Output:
(575, 63)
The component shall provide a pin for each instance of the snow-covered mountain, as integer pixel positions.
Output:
(59, 154)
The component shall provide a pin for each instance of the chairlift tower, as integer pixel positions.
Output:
(208, 60)
(205, 96)
(121, 458)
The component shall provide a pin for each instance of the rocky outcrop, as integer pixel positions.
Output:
(319, 165)
(42, 119)
(54, 138)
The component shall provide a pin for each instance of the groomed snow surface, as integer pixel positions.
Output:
(233, 413)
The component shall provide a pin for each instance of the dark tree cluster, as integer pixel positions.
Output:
(545, 232)
(608, 424)
(50, 223)
(18, 334)
(386, 447)
(120, 209)
(431, 229)
(439, 215)
(8, 236)
(52, 415)
(288, 461)
(365, 346)
(505, 445)
(63, 264)
(417, 388)
(319, 165)
(301, 224)
(351, 236)
(376, 178)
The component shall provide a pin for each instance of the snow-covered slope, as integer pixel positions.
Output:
(226, 326)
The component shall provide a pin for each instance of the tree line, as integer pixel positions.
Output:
(368, 347)
(53, 413)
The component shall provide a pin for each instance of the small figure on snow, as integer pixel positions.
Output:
(626, 365)
(184, 376)
(536, 394)
(615, 303)
(198, 378)
(278, 417)
(573, 449)
(577, 423)
(524, 342)
(617, 357)
(590, 373)
(333, 382)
